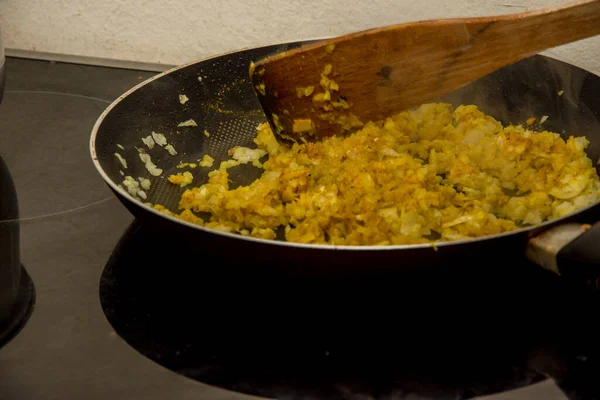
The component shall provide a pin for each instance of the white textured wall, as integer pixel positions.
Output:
(175, 32)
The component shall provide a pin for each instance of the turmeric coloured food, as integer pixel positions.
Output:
(427, 175)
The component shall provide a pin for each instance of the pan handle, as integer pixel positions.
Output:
(569, 250)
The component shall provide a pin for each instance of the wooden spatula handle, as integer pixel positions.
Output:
(386, 70)
(521, 35)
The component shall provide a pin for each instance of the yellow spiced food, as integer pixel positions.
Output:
(431, 174)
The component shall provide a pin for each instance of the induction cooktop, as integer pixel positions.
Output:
(121, 315)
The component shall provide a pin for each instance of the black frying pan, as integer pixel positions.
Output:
(222, 101)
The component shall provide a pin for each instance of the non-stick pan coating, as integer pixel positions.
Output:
(222, 102)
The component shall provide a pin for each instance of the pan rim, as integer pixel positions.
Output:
(368, 248)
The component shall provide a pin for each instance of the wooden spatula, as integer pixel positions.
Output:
(338, 84)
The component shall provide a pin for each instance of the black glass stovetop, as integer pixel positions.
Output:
(446, 333)
(123, 311)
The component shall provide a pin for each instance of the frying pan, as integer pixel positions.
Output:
(223, 102)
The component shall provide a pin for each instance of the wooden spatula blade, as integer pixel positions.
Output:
(337, 85)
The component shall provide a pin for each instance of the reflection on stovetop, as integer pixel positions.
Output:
(447, 332)
(20, 309)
